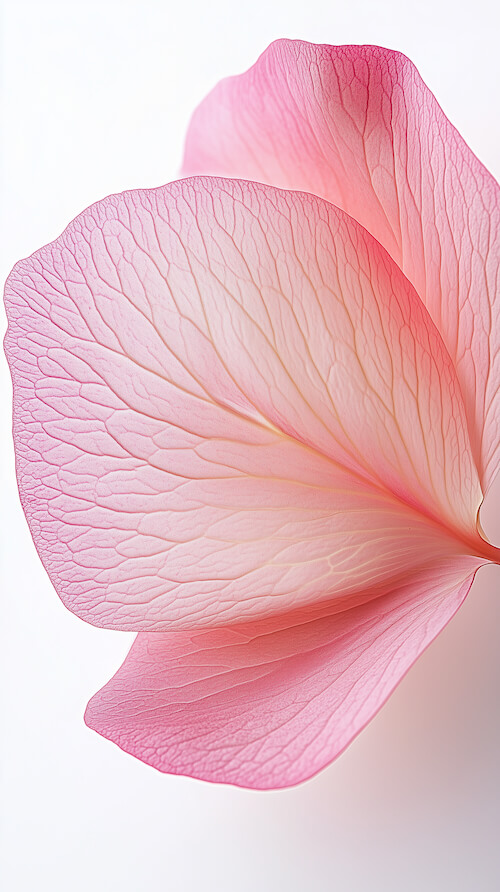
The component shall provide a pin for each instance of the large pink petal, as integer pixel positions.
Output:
(268, 705)
(358, 126)
(230, 401)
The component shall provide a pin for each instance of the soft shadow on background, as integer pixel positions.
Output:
(97, 98)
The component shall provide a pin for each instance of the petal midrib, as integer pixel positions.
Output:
(475, 545)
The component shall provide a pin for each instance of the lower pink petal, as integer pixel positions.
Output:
(267, 705)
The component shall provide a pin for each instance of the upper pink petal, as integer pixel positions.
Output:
(268, 705)
(230, 401)
(357, 125)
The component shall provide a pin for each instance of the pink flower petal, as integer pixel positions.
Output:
(229, 401)
(357, 125)
(270, 705)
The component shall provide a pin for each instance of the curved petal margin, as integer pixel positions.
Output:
(358, 126)
(268, 706)
(229, 402)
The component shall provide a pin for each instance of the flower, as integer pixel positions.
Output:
(256, 410)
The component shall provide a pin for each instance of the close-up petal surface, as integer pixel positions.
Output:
(269, 705)
(358, 126)
(230, 402)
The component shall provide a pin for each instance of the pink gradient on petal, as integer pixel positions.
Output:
(269, 705)
(230, 402)
(357, 126)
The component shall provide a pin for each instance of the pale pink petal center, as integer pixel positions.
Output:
(231, 402)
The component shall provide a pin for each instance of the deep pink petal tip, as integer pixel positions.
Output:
(358, 126)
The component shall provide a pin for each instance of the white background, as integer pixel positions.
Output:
(97, 97)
